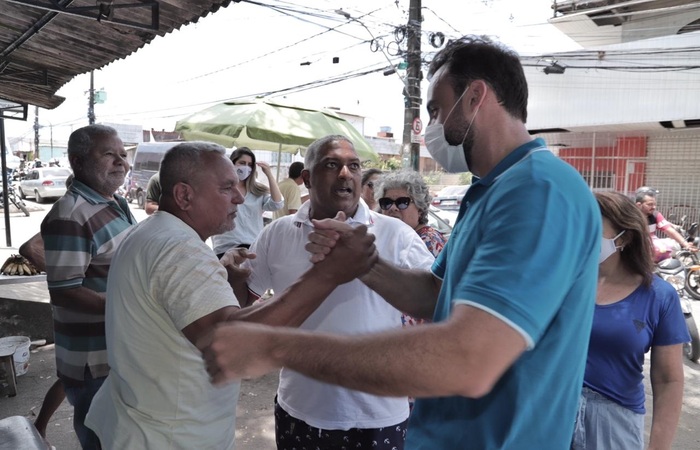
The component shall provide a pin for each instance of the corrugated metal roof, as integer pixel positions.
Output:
(45, 43)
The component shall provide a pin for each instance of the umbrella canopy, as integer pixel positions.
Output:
(263, 125)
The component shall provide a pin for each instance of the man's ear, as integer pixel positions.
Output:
(306, 176)
(477, 92)
(76, 163)
(183, 195)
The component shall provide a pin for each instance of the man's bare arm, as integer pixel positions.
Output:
(33, 250)
(296, 303)
(151, 207)
(80, 299)
(412, 291)
(465, 355)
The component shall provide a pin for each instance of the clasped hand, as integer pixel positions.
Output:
(340, 250)
(232, 260)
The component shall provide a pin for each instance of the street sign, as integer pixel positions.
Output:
(417, 126)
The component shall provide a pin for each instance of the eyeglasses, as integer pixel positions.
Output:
(401, 203)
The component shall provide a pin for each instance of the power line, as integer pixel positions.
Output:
(285, 11)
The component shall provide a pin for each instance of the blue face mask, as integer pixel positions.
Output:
(608, 247)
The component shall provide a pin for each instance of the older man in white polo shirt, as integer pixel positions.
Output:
(310, 413)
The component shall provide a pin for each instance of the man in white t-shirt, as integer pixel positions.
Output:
(309, 413)
(166, 290)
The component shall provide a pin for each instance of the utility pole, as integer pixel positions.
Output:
(36, 132)
(91, 100)
(412, 126)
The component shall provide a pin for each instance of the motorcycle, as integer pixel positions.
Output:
(674, 272)
(691, 260)
(12, 198)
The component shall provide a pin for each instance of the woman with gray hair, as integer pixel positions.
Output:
(404, 195)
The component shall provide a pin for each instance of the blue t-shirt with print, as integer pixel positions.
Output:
(623, 332)
(525, 249)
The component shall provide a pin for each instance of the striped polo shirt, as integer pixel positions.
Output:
(81, 233)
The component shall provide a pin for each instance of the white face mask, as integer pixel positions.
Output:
(243, 172)
(450, 157)
(607, 247)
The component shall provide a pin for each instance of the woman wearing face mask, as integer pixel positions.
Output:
(635, 311)
(258, 198)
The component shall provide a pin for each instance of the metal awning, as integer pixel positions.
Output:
(46, 43)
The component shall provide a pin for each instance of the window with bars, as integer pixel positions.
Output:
(599, 180)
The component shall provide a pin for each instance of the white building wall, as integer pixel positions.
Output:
(635, 95)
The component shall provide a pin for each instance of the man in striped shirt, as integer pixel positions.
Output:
(81, 233)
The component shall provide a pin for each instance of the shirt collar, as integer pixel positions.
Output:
(89, 193)
(510, 160)
(93, 197)
(362, 215)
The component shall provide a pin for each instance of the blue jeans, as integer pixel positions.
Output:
(81, 398)
(602, 424)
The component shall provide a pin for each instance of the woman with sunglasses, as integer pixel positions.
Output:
(404, 195)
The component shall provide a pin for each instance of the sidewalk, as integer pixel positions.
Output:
(255, 428)
(31, 388)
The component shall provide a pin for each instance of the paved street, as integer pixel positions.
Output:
(255, 424)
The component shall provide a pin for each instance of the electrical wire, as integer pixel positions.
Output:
(287, 11)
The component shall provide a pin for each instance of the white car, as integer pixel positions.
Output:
(44, 182)
(450, 197)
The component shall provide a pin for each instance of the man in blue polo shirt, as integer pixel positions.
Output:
(80, 234)
(511, 295)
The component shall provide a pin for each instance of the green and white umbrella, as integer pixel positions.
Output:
(265, 125)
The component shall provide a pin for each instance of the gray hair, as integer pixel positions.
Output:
(185, 162)
(81, 140)
(369, 173)
(316, 148)
(415, 187)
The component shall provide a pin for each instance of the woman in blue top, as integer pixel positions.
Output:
(635, 311)
(258, 198)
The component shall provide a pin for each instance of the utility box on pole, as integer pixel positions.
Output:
(412, 126)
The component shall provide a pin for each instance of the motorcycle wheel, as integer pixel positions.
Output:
(687, 258)
(692, 348)
(692, 284)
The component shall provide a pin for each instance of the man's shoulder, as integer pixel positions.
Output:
(388, 224)
(67, 206)
(281, 227)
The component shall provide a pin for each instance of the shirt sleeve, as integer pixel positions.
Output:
(270, 205)
(526, 263)
(671, 328)
(68, 250)
(260, 278)
(153, 190)
(191, 287)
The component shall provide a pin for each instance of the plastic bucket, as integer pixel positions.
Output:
(21, 351)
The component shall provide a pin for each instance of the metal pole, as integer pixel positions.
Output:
(5, 201)
(412, 126)
(36, 132)
(91, 99)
